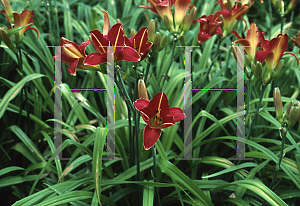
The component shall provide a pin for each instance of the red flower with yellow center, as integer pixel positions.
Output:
(209, 26)
(273, 50)
(230, 15)
(139, 42)
(74, 55)
(115, 37)
(158, 115)
(251, 42)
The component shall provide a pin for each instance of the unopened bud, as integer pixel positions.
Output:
(151, 30)
(247, 60)
(168, 24)
(132, 33)
(7, 39)
(119, 21)
(188, 20)
(230, 3)
(163, 42)
(277, 70)
(8, 10)
(258, 71)
(298, 104)
(278, 104)
(287, 113)
(156, 43)
(294, 113)
(291, 6)
(142, 90)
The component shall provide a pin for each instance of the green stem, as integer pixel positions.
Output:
(155, 174)
(283, 135)
(125, 93)
(147, 69)
(249, 94)
(172, 59)
(282, 22)
(137, 131)
(257, 109)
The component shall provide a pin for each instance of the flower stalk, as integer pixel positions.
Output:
(264, 86)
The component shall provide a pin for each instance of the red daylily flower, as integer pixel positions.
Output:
(74, 55)
(209, 26)
(139, 42)
(115, 37)
(251, 42)
(158, 115)
(163, 7)
(26, 17)
(230, 15)
(272, 51)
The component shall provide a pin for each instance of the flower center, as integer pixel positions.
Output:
(156, 121)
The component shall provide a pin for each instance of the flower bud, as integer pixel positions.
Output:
(156, 44)
(287, 113)
(294, 113)
(247, 60)
(298, 104)
(119, 21)
(151, 30)
(168, 24)
(163, 42)
(132, 33)
(6, 39)
(277, 70)
(8, 10)
(142, 90)
(291, 6)
(188, 20)
(278, 104)
(257, 71)
(230, 3)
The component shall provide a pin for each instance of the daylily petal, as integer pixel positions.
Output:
(236, 34)
(149, 7)
(147, 114)
(293, 55)
(116, 36)
(279, 46)
(127, 54)
(71, 50)
(36, 31)
(141, 39)
(99, 42)
(203, 36)
(73, 66)
(106, 25)
(177, 113)
(140, 104)
(270, 62)
(262, 55)
(160, 104)
(167, 121)
(263, 41)
(240, 10)
(83, 45)
(181, 8)
(150, 137)
(17, 19)
(95, 58)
